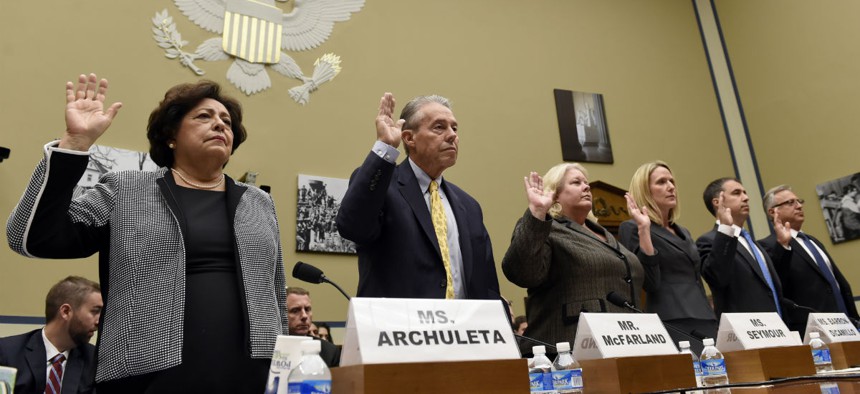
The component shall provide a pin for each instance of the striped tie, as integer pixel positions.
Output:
(440, 223)
(55, 375)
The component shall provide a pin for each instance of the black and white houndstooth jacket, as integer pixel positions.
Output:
(127, 218)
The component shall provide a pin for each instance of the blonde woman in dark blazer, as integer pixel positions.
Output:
(567, 261)
(674, 283)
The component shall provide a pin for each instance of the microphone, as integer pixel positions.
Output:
(308, 273)
(532, 340)
(619, 300)
(807, 309)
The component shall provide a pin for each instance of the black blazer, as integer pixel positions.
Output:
(674, 283)
(735, 278)
(385, 214)
(804, 283)
(26, 352)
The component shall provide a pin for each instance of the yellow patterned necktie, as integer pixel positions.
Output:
(440, 223)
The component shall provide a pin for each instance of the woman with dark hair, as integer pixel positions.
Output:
(324, 332)
(674, 284)
(189, 259)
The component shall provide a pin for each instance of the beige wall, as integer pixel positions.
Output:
(497, 60)
(796, 65)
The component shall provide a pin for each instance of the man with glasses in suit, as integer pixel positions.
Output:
(810, 277)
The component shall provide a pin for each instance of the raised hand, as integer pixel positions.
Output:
(782, 229)
(639, 215)
(86, 117)
(643, 224)
(387, 130)
(539, 200)
(724, 213)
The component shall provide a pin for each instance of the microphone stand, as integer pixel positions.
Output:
(324, 279)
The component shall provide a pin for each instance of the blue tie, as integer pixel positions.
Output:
(763, 266)
(825, 270)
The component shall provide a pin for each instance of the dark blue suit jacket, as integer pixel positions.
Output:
(805, 284)
(26, 352)
(385, 214)
(734, 276)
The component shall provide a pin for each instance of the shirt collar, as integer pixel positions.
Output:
(50, 349)
(423, 179)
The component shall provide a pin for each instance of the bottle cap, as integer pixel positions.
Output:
(562, 347)
(708, 342)
(814, 334)
(540, 349)
(310, 346)
(684, 344)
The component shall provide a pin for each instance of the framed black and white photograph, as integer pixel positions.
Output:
(318, 202)
(840, 203)
(582, 127)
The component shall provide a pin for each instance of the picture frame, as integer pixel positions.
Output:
(582, 127)
(317, 204)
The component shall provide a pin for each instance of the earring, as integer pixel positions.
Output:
(171, 145)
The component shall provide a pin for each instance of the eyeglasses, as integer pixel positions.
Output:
(793, 202)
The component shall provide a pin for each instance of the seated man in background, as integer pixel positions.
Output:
(58, 358)
(301, 315)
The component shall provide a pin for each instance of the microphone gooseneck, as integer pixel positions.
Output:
(308, 273)
(619, 300)
(532, 340)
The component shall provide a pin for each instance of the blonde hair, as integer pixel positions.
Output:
(553, 181)
(640, 189)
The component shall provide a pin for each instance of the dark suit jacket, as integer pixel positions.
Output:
(804, 283)
(329, 352)
(26, 352)
(674, 283)
(735, 278)
(568, 270)
(385, 214)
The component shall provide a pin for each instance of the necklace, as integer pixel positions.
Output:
(197, 185)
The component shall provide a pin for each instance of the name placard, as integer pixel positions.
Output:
(744, 331)
(609, 335)
(387, 330)
(834, 327)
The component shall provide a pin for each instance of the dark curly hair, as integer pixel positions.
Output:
(164, 121)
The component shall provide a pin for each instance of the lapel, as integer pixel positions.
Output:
(234, 194)
(798, 247)
(74, 369)
(610, 242)
(407, 185)
(36, 358)
(460, 215)
(675, 241)
(752, 261)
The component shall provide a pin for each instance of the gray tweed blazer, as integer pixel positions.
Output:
(568, 270)
(128, 219)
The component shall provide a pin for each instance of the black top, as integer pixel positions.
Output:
(215, 354)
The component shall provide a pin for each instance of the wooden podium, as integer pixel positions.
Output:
(757, 365)
(845, 354)
(638, 374)
(467, 377)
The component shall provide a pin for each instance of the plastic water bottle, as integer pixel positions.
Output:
(566, 371)
(685, 349)
(820, 353)
(311, 376)
(540, 371)
(713, 365)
